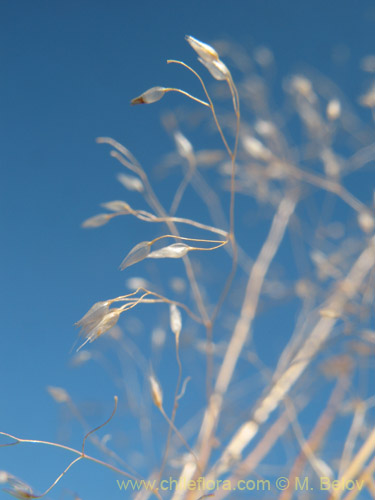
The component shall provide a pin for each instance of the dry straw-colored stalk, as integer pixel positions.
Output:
(276, 176)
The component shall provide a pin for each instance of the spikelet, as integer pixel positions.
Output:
(175, 319)
(97, 220)
(156, 392)
(217, 69)
(93, 316)
(174, 251)
(117, 206)
(131, 183)
(136, 254)
(151, 95)
(18, 488)
(333, 110)
(184, 147)
(366, 221)
(104, 325)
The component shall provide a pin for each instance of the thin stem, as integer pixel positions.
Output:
(151, 218)
(174, 410)
(72, 450)
(173, 61)
(185, 239)
(183, 440)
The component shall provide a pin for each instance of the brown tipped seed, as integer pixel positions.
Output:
(152, 95)
(205, 51)
(156, 392)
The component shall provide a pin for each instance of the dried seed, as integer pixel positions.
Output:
(151, 95)
(138, 253)
(96, 221)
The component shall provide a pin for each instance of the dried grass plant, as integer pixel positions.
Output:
(294, 199)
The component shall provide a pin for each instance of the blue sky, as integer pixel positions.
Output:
(69, 70)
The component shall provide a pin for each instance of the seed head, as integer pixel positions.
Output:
(93, 316)
(98, 322)
(175, 319)
(151, 95)
(333, 109)
(97, 220)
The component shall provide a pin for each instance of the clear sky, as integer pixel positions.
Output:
(68, 72)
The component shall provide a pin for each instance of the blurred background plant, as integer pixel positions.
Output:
(282, 384)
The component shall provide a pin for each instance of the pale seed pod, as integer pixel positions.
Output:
(59, 394)
(138, 253)
(175, 320)
(158, 337)
(217, 69)
(93, 316)
(156, 392)
(117, 206)
(204, 51)
(131, 183)
(136, 282)
(366, 221)
(256, 148)
(184, 147)
(96, 221)
(174, 251)
(333, 110)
